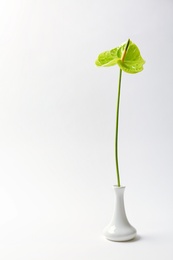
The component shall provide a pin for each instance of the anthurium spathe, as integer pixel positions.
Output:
(127, 56)
(132, 62)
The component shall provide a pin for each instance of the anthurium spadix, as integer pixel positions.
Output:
(127, 56)
(129, 60)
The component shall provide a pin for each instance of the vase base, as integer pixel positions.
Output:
(120, 235)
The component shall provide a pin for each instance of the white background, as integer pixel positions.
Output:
(57, 121)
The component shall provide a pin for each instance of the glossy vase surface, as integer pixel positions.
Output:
(119, 228)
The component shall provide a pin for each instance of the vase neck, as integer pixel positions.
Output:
(119, 212)
(119, 191)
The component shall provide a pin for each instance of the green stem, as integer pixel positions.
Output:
(116, 130)
(117, 115)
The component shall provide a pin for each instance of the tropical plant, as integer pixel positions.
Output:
(127, 56)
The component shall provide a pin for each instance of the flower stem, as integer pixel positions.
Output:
(116, 129)
(117, 115)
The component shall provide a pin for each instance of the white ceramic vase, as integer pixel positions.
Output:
(119, 228)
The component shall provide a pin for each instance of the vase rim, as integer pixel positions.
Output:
(118, 187)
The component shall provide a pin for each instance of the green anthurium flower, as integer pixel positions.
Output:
(131, 62)
(127, 56)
